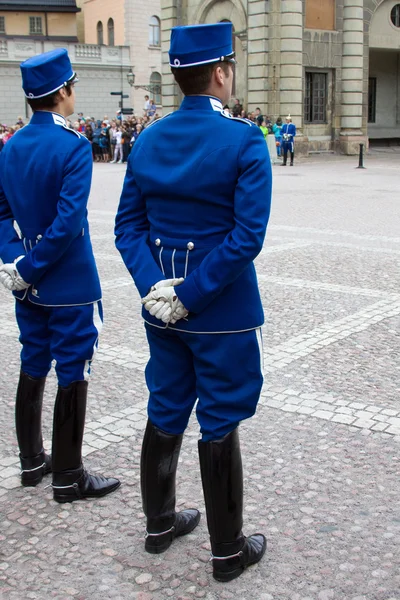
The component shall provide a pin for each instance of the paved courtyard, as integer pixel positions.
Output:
(322, 455)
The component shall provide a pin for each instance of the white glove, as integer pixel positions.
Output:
(161, 303)
(6, 280)
(167, 283)
(10, 277)
(180, 312)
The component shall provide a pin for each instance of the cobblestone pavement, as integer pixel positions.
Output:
(321, 458)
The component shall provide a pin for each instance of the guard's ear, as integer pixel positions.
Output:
(219, 75)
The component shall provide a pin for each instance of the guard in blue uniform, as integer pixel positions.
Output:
(45, 177)
(191, 220)
(288, 133)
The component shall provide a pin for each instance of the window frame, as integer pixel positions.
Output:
(156, 96)
(111, 29)
(154, 31)
(371, 105)
(100, 31)
(2, 20)
(33, 20)
(395, 8)
(315, 104)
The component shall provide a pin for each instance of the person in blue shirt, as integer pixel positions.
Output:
(288, 133)
(276, 130)
(45, 177)
(191, 220)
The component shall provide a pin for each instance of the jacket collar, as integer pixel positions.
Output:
(44, 117)
(201, 103)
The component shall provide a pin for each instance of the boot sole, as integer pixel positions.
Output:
(64, 498)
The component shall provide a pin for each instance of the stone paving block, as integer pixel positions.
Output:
(323, 414)
(379, 427)
(10, 483)
(364, 423)
(345, 419)
(289, 407)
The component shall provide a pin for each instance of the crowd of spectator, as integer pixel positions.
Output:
(112, 139)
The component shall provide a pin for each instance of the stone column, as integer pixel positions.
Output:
(291, 71)
(169, 18)
(351, 134)
(257, 48)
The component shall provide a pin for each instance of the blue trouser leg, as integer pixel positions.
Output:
(229, 380)
(35, 338)
(171, 380)
(67, 334)
(222, 370)
(75, 333)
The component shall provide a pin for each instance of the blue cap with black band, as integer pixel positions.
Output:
(46, 73)
(196, 45)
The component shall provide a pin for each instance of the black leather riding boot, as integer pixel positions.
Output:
(70, 480)
(28, 423)
(159, 461)
(222, 477)
(284, 159)
(291, 158)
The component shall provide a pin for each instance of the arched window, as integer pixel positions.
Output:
(100, 39)
(154, 31)
(110, 27)
(155, 87)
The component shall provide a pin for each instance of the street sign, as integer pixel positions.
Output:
(127, 111)
(115, 93)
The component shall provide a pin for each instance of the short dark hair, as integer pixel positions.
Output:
(50, 101)
(196, 80)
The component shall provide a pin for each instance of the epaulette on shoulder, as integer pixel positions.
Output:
(158, 120)
(74, 131)
(229, 116)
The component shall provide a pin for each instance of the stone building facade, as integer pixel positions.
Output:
(98, 68)
(334, 65)
(134, 24)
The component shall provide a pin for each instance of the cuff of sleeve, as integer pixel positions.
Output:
(190, 296)
(25, 270)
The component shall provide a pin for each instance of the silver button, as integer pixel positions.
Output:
(39, 237)
(158, 242)
(190, 246)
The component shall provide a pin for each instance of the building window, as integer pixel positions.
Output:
(100, 38)
(110, 27)
(2, 25)
(35, 25)
(395, 15)
(371, 99)
(155, 87)
(315, 98)
(154, 31)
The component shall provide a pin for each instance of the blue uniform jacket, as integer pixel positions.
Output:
(290, 130)
(45, 177)
(195, 204)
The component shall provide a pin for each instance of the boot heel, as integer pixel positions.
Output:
(30, 480)
(225, 576)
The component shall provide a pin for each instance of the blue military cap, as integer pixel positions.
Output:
(46, 73)
(195, 45)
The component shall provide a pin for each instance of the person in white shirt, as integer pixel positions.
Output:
(117, 135)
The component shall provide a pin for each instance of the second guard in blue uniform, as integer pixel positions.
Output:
(45, 177)
(288, 133)
(191, 220)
